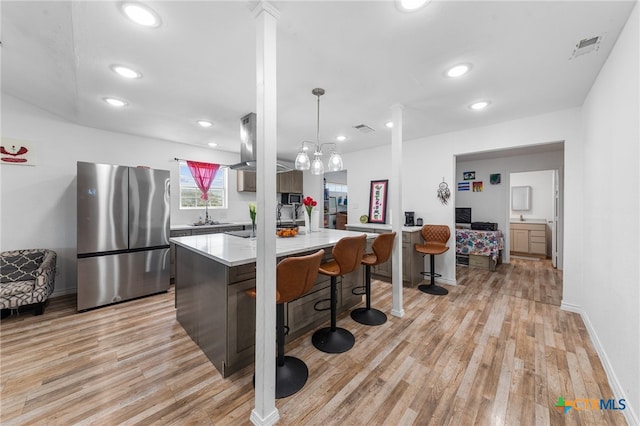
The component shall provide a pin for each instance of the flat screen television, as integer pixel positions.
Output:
(463, 214)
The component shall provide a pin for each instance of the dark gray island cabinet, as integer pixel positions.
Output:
(213, 273)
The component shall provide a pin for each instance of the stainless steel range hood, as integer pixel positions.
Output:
(248, 142)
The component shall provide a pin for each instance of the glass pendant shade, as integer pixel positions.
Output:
(335, 162)
(302, 161)
(317, 168)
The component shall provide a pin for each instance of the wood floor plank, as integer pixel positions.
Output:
(496, 350)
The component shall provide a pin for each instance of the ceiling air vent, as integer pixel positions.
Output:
(364, 128)
(586, 45)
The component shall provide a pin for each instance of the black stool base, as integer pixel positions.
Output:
(290, 377)
(333, 342)
(368, 316)
(433, 289)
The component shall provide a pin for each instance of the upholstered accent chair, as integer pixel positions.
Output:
(26, 277)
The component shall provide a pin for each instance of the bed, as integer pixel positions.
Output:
(483, 248)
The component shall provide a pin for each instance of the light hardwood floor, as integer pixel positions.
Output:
(496, 350)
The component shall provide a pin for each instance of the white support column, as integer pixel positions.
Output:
(396, 208)
(265, 411)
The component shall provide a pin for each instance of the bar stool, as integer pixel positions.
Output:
(347, 254)
(382, 246)
(295, 276)
(435, 242)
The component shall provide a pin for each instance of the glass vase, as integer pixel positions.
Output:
(253, 229)
(307, 223)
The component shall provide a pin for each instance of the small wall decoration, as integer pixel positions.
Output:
(469, 175)
(443, 192)
(494, 179)
(378, 201)
(16, 152)
(463, 186)
(477, 186)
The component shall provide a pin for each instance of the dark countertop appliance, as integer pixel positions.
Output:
(287, 198)
(409, 218)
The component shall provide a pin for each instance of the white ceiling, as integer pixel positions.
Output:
(367, 55)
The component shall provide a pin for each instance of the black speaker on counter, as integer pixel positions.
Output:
(484, 226)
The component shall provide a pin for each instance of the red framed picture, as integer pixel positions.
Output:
(378, 201)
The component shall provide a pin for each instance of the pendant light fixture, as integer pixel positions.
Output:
(317, 166)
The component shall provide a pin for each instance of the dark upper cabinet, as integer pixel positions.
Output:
(290, 182)
(246, 181)
(286, 182)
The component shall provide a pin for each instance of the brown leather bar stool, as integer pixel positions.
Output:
(295, 276)
(382, 246)
(435, 242)
(347, 254)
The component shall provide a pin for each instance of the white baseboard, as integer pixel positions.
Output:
(271, 419)
(629, 413)
(446, 281)
(397, 313)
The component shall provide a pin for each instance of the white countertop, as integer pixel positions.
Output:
(537, 221)
(233, 251)
(382, 226)
(226, 224)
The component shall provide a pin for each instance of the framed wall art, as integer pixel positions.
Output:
(378, 201)
(17, 152)
(469, 175)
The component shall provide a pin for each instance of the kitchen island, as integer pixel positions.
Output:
(213, 273)
(186, 230)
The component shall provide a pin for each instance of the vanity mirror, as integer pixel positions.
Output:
(520, 198)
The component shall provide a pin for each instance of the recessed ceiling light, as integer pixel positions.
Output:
(140, 14)
(125, 71)
(204, 123)
(477, 106)
(389, 124)
(341, 138)
(212, 144)
(115, 102)
(458, 70)
(410, 5)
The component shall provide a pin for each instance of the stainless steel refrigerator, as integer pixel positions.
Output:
(123, 233)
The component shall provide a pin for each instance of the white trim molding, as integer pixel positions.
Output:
(618, 393)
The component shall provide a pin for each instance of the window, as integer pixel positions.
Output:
(190, 194)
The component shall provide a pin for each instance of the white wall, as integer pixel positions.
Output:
(38, 204)
(608, 296)
(427, 160)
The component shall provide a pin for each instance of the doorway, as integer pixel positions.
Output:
(335, 199)
(533, 224)
(491, 201)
